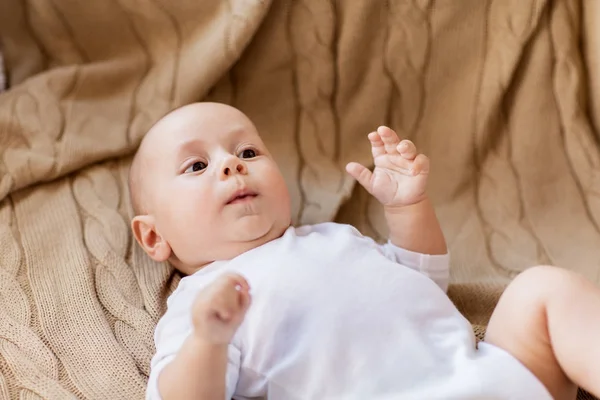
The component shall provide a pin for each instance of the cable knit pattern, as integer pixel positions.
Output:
(511, 243)
(502, 95)
(312, 34)
(33, 366)
(409, 28)
(106, 237)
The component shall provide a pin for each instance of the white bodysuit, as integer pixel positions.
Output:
(334, 315)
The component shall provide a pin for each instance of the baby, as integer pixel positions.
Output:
(322, 312)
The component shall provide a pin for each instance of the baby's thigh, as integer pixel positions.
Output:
(518, 325)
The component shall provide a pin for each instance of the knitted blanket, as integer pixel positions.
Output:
(503, 95)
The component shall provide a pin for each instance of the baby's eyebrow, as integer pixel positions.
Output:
(187, 145)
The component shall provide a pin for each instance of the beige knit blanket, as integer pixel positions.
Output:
(502, 95)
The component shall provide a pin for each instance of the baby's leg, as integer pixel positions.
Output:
(549, 319)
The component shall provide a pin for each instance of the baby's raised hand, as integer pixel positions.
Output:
(400, 174)
(219, 309)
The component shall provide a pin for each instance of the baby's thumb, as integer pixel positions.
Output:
(361, 173)
(245, 300)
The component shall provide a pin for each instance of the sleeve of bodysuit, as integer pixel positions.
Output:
(170, 334)
(436, 267)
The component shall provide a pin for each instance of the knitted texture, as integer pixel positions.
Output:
(503, 95)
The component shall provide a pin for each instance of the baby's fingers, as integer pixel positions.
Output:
(361, 174)
(243, 295)
(377, 146)
(233, 295)
(227, 306)
(407, 149)
(244, 299)
(420, 165)
(239, 283)
(390, 139)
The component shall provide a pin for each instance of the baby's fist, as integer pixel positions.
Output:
(219, 309)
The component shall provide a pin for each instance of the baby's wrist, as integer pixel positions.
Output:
(204, 343)
(395, 209)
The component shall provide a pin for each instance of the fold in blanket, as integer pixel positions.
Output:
(2, 74)
(497, 93)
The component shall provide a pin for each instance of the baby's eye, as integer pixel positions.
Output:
(248, 153)
(195, 167)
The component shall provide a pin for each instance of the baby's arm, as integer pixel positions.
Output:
(398, 182)
(199, 369)
(197, 372)
(416, 228)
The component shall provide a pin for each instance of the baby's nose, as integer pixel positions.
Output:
(232, 166)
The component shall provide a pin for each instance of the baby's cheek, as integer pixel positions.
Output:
(280, 198)
(184, 216)
(279, 186)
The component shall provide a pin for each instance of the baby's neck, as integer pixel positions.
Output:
(234, 251)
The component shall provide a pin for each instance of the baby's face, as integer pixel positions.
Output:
(214, 189)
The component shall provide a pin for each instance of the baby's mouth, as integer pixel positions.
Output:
(241, 196)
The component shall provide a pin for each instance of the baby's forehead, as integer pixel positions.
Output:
(199, 123)
(168, 133)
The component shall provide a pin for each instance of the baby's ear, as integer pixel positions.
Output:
(144, 230)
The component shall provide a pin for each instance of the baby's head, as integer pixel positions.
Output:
(204, 187)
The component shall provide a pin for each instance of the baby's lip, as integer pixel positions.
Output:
(241, 195)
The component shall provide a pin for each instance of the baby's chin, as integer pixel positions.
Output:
(254, 229)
